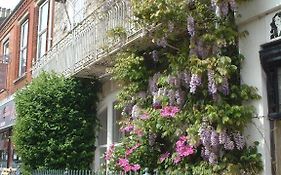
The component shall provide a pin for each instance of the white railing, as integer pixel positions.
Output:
(90, 41)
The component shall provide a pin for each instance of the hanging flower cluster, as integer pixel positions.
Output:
(213, 143)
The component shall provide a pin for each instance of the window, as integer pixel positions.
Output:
(3, 65)
(110, 129)
(102, 138)
(75, 10)
(270, 56)
(42, 29)
(117, 135)
(23, 48)
(6, 52)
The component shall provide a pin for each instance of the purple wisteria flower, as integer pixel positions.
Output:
(191, 26)
(135, 111)
(205, 136)
(180, 97)
(229, 144)
(194, 82)
(213, 158)
(211, 82)
(223, 8)
(222, 137)
(214, 138)
(239, 140)
(153, 88)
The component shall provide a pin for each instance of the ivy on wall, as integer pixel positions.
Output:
(56, 122)
(184, 106)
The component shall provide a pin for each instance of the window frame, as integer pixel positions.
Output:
(22, 65)
(106, 104)
(270, 57)
(41, 32)
(6, 56)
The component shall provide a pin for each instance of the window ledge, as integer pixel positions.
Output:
(23, 76)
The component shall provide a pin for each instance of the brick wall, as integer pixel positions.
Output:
(11, 30)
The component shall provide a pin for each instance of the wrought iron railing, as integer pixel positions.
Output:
(107, 28)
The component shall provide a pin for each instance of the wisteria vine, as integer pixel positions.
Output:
(182, 98)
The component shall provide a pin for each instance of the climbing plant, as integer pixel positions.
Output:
(56, 122)
(184, 107)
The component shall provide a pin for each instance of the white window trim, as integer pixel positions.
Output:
(5, 42)
(40, 33)
(23, 47)
(106, 103)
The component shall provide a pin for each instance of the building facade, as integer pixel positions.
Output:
(71, 37)
(24, 37)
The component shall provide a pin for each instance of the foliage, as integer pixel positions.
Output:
(184, 106)
(56, 122)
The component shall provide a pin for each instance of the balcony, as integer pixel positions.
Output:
(86, 50)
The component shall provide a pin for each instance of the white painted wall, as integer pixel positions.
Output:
(256, 19)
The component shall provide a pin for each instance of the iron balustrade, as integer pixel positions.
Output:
(90, 41)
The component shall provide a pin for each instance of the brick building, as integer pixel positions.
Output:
(24, 38)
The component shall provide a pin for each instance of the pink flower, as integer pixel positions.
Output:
(169, 111)
(131, 150)
(109, 152)
(127, 168)
(128, 128)
(123, 162)
(135, 167)
(183, 149)
(181, 141)
(164, 156)
(177, 159)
